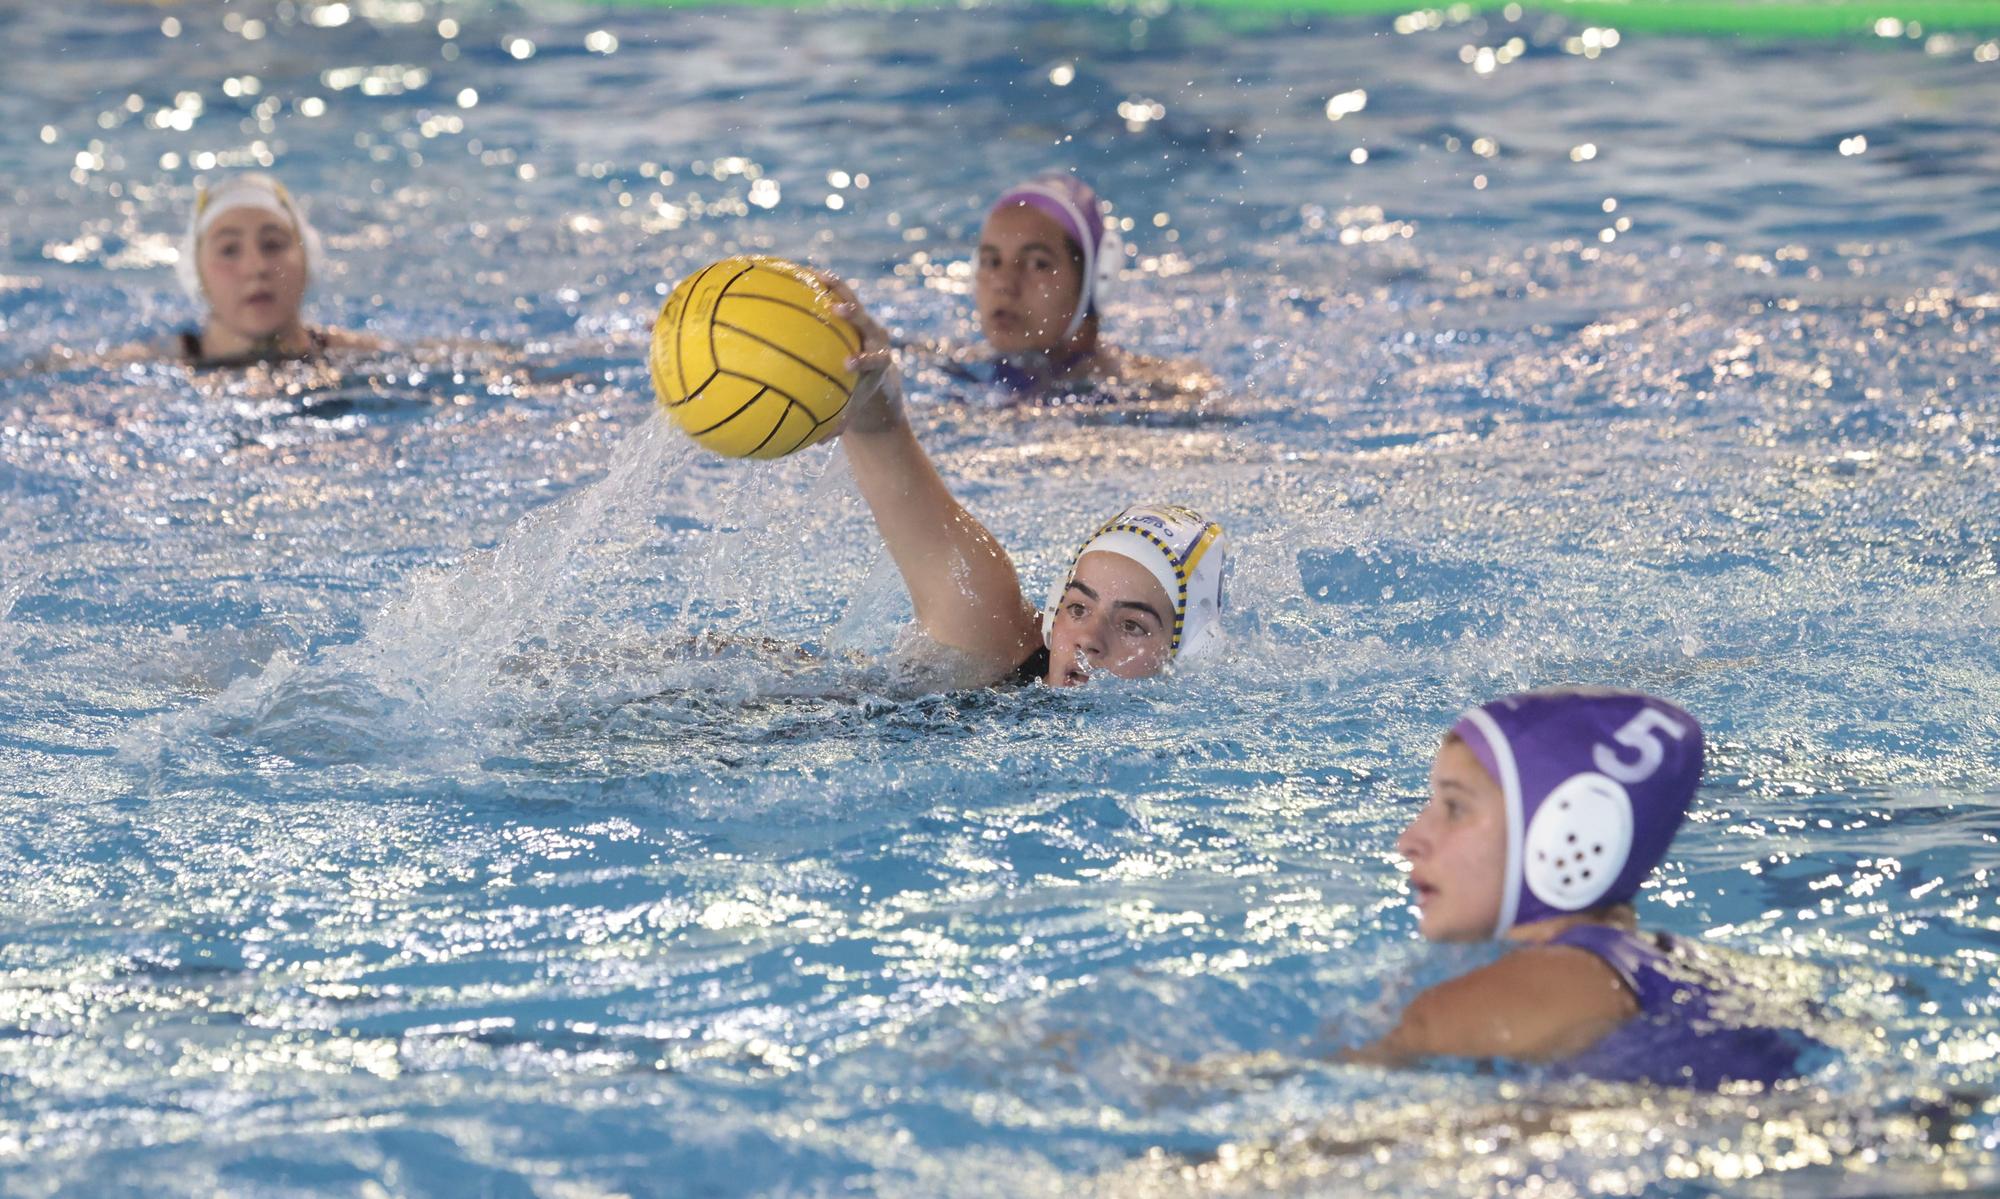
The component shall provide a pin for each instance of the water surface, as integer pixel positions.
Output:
(402, 797)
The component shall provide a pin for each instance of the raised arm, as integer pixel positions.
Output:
(961, 581)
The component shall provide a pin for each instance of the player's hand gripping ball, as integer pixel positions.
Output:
(750, 360)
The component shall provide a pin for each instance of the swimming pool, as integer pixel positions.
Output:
(370, 831)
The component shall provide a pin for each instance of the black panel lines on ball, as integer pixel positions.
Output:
(811, 431)
(853, 345)
(680, 351)
(713, 356)
(742, 332)
(772, 388)
(747, 404)
(691, 396)
(775, 426)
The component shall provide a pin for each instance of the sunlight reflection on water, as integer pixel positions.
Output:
(414, 782)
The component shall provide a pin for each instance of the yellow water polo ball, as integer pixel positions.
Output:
(750, 360)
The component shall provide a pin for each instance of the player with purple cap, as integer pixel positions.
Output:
(1047, 259)
(1547, 812)
(1049, 254)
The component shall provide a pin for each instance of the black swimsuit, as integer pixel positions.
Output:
(191, 352)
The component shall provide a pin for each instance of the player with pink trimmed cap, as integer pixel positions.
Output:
(1047, 260)
(1049, 256)
(1548, 810)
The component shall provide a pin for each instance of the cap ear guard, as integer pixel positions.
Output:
(1578, 842)
(1203, 622)
(187, 272)
(1100, 270)
(1110, 259)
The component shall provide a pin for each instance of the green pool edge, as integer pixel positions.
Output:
(1743, 18)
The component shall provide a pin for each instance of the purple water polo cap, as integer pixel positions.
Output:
(1597, 783)
(1072, 204)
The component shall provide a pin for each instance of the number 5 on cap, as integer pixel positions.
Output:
(1642, 733)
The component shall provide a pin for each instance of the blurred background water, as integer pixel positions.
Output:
(427, 775)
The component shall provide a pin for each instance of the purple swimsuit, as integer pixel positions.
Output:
(1691, 1031)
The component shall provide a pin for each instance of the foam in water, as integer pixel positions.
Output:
(436, 859)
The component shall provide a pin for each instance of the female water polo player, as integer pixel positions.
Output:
(1047, 257)
(1145, 589)
(1547, 810)
(248, 256)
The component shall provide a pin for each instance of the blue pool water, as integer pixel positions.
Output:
(371, 826)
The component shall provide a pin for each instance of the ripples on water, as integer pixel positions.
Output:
(403, 798)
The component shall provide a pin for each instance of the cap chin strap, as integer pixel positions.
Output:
(1056, 590)
(1100, 261)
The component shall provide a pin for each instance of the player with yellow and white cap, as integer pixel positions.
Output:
(1145, 590)
(248, 256)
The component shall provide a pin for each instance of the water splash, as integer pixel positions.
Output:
(446, 861)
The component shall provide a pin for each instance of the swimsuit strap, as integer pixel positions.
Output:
(1018, 372)
(1013, 378)
(1695, 1027)
(1639, 964)
(318, 345)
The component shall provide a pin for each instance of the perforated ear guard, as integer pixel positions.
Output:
(1578, 842)
(1110, 259)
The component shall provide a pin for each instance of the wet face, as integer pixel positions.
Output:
(1114, 617)
(1027, 282)
(1457, 849)
(253, 272)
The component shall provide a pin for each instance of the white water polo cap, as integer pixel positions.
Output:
(1596, 783)
(1073, 205)
(1179, 547)
(251, 189)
